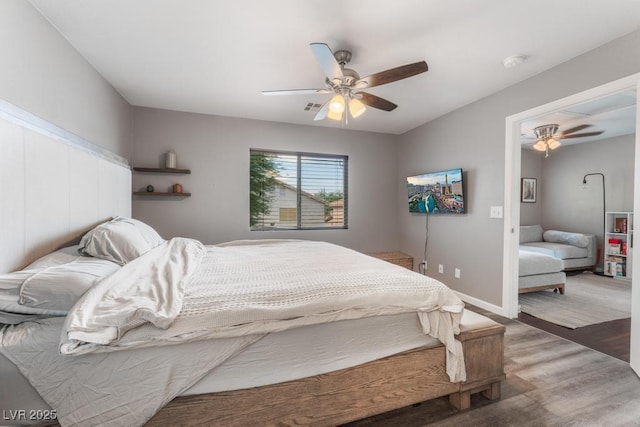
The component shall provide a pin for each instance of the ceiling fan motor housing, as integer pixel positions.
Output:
(350, 76)
(343, 57)
(545, 132)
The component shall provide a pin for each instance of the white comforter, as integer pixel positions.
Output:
(183, 292)
(252, 287)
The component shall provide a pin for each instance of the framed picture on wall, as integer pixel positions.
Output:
(528, 190)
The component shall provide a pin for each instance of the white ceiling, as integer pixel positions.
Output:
(614, 115)
(215, 57)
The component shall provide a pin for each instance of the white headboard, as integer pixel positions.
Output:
(53, 187)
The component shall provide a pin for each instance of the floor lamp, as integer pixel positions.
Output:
(604, 212)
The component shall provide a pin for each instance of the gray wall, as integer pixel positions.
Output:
(43, 74)
(564, 203)
(473, 138)
(531, 167)
(216, 149)
(569, 205)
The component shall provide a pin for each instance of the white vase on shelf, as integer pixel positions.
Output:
(171, 160)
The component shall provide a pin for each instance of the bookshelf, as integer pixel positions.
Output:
(618, 244)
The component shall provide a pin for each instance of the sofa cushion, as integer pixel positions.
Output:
(536, 280)
(576, 239)
(530, 233)
(531, 263)
(558, 250)
(573, 263)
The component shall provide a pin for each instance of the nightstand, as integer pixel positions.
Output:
(397, 258)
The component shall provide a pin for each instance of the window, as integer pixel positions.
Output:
(295, 191)
(288, 214)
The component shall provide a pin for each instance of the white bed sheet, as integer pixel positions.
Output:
(278, 357)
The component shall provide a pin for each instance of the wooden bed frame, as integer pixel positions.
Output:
(353, 393)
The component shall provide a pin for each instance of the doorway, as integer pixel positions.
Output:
(512, 191)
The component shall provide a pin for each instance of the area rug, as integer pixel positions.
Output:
(588, 299)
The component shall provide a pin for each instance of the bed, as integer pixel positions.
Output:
(350, 372)
(190, 314)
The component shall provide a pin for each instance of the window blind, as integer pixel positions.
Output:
(297, 191)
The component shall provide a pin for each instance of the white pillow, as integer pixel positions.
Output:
(120, 240)
(57, 257)
(60, 286)
(530, 233)
(576, 239)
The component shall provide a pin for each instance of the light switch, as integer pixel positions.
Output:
(496, 212)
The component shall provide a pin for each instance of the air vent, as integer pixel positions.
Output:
(312, 107)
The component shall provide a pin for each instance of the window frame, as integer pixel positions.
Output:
(299, 155)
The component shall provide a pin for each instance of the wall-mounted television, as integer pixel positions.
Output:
(436, 192)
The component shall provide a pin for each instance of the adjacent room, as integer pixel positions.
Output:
(577, 206)
(364, 213)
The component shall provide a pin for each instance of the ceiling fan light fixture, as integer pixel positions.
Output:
(553, 144)
(540, 146)
(356, 108)
(336, 105)
(334, 116)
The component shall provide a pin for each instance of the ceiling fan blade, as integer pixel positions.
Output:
(327, 61)
(582, 135)
(296, 92)
(322, 113)
(575, 129)
(376, 102)
(392, 75)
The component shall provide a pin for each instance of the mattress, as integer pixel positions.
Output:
(316, 349)
(278, 357)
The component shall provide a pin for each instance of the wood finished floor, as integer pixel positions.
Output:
(610, 338)
(551, 381)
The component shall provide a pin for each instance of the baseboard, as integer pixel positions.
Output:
(482, 304)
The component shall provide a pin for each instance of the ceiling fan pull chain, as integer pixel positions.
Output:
(346, 112)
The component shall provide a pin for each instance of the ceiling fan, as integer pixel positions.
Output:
(548, 138)
(347, 86)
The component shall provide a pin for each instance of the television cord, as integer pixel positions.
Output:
(421, 267)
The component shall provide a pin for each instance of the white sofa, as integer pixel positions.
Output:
(576, 250)
(539, 271)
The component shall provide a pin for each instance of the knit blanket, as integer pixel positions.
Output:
(184, 291)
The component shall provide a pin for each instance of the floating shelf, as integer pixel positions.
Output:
(158, 194)
(162, 170)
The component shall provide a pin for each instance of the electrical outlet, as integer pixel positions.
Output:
(457, 273)
(424, 264)
(440, 269)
